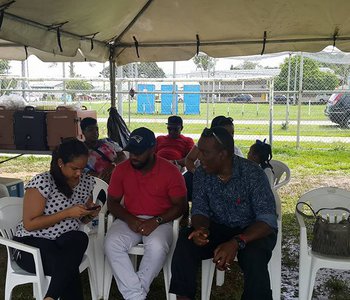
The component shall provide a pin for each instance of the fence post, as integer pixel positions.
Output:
(64, 83)
(299, 97)
(288, 89)
(271, 112)
(173, 106)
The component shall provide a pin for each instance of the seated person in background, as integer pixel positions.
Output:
(219, 121)
(233, 213)
(54, 205)
(104, 154)
(174, 146)
(154, 195)
(261, 153)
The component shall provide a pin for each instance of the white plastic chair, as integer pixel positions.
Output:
(139, 250)
(11, 212)
(309, 261)
(274, 266)
(96, 238)
(281, 172)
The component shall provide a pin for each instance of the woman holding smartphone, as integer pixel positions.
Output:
(55, 204)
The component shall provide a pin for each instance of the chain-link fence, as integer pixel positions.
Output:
(303, 101)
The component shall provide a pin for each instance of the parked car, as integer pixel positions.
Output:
(338, 109)
(322, 99)
(241, 98)
(280, 99)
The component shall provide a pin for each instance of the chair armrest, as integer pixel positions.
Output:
(101, 230)
(303, 231)
(29, 249)
(110, 220)
(285, 181)
(19, 246)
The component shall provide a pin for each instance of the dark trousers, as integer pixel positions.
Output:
(253, 261)
(188, 176)
(61, 259)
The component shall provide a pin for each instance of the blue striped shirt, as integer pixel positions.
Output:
(245, 199)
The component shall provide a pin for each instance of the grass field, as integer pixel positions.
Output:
(238, 111)
(311, 168)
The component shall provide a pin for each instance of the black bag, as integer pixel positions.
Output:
(117, 129)
(30, 129)
(329, 238)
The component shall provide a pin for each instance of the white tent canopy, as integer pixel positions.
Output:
(159, 30)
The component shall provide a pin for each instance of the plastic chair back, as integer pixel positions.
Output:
(281, 172)
(11, 213)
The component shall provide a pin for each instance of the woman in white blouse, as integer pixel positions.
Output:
(55, 204)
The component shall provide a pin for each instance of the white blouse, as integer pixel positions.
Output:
(55, 202)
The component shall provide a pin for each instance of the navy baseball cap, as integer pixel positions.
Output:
(140, 140)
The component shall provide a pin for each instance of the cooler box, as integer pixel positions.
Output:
(64, 123)
(11, 187)
(30, 129)
(6, 129)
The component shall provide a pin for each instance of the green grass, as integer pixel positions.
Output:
(237, 111)
(310, 168)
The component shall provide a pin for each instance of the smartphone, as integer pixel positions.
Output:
(94, 207)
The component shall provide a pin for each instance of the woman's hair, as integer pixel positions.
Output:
(264, 152)
(69, 150)
(221, 121)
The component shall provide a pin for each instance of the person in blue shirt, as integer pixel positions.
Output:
(233, 214)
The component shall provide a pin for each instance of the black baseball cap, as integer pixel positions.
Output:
(140, 140)
(174, 121)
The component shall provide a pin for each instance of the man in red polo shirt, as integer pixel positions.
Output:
(174, 146)
(154, 195)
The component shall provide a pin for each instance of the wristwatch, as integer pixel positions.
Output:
(240, 241)
(159, 220)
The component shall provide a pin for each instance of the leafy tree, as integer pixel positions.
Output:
(78, 84)
(343, 71)
(71, 70)
(204, 62)
(4, 66)
(144, 70)
(313, 77)
(246, 65)
(6, 83)
(150, 70)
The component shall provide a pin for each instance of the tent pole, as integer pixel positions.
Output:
(112, 79)
(119, 86)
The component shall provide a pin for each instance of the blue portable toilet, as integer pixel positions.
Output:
(192, 101)
(167, 100)
(145, 102)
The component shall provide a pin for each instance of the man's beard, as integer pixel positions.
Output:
(140, 165)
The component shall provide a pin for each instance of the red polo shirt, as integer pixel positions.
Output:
(150, 193)
(173, 149)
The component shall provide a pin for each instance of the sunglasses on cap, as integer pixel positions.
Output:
(207, 132)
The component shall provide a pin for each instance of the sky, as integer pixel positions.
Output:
(39, 69)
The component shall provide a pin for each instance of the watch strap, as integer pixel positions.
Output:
(241, 242)
(159, 220)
